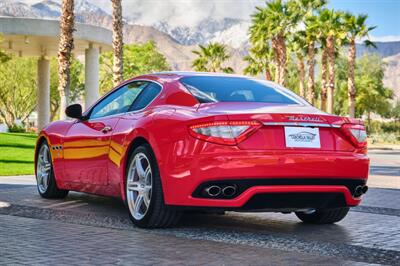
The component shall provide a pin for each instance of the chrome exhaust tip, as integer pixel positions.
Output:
(364, 189)
(213, 191)
(360, 190)
(229, 191)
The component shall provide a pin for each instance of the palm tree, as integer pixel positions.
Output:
(274, 22)
(332, 31)
(118, 71)
(307, 10)
(65, 46)
(305, 42)
(211, 58)
(324, 76)
(259, 61)
(298, 46)
(356, 28)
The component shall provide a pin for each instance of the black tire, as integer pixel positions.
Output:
(158, 214)
(52, 191)
(323, 216)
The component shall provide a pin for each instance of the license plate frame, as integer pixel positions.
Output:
(302, 137)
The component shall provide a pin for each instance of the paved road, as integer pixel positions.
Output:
(85, 229)
(385, 169)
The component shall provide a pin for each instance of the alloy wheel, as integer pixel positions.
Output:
(43, 169)
(139, 186)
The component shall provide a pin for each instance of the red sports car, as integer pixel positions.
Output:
(169, 142)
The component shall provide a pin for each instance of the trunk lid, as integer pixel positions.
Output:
(286, 127)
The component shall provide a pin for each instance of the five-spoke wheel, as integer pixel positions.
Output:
(43, 169)
(139, 185)
(46, 182)
(144, 195)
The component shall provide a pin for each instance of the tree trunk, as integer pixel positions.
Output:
(330, 43)
(350, 78)
(302, 74)
(117, 42)
(275, 45)
(369, 120)
(9, 118)
(66, 44)
(324, 77)
(267, 73)
(310, 82)
(282, 59)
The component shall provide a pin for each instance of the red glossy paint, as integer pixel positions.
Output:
(94, 161)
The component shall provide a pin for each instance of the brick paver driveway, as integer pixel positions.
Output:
(85, 229)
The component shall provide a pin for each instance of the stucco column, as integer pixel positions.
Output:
(91, 75)
(43, 95)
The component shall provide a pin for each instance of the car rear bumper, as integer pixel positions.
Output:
(268, 176)
(328, 196)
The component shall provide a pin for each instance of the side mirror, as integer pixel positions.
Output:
(74, 111)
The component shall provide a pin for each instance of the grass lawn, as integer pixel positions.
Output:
(17, 153)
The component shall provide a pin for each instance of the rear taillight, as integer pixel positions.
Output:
(224, 132)
(356, 134)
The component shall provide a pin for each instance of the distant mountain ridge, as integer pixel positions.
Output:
(200, 34)
(177, 43)
(384, 49)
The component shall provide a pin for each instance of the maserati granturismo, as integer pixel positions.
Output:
(169, 142)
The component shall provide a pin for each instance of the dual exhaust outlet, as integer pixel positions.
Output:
(218, 191)
(360, 190)
(228, 191)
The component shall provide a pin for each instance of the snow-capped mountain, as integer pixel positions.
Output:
(83, 10)
(47, 9)
(203, 32)
(235, 36)
(229, 31)
(16, 9)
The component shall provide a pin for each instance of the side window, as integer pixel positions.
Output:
(145, 98)
(119, 101)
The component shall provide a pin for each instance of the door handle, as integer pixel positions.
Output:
(106, 129)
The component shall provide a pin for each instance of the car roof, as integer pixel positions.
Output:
(175, 75)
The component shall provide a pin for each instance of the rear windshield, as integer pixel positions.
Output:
(208, 89)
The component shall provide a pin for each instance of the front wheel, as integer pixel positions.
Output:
(144, 195)
(46, 182)
(323, 216)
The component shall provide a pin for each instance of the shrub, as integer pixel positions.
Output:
(383, 127)
(390, 138)
(16, 129)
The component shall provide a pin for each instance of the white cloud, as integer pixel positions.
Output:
(183, 12)
(178, 12)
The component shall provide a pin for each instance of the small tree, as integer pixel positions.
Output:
(77, 86)
(259, 61)
(211, 58)
(138, 59)
(356, 28)
(333, 33)
(372, 95)
(17, 89)
(274, 22)
(395, 112)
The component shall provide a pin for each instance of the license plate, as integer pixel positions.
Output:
(302, 137)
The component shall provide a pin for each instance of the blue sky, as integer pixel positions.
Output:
(383, 13)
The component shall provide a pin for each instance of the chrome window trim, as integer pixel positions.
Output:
(122, 85)
(301, 124)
